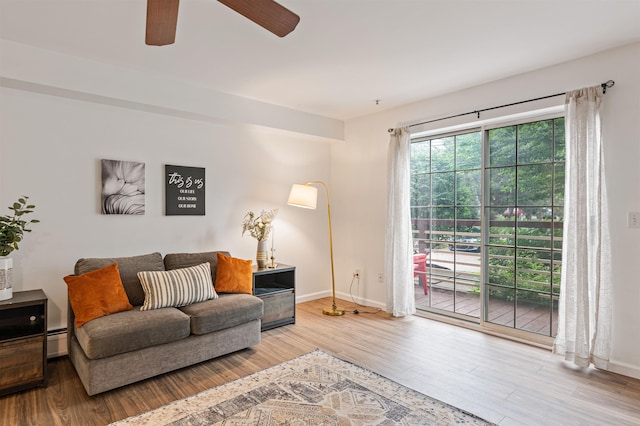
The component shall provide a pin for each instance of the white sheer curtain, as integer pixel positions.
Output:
(584, 322)
(398, 246)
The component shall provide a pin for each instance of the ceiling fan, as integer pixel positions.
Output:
(162, 18)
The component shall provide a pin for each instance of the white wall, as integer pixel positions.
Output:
(359, 177)
(54, 133)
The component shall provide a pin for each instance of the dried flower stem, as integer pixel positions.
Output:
(259, 226)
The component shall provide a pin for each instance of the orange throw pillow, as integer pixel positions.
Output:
(233, 275)
(96, 294)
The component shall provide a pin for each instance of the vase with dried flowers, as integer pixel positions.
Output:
(259, 227)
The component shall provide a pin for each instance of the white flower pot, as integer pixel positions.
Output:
(6, 278)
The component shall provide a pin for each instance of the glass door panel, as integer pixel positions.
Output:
(447, 230)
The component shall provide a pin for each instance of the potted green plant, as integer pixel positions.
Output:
(12, 230)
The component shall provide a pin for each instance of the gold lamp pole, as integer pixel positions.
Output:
(306, 196)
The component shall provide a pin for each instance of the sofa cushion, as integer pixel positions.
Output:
(184, 260)
(228, 310)
(96, 294)
(131, 330)
(178, 287)
(129, 268)
(234, 275)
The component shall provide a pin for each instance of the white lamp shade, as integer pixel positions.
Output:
(303, 196)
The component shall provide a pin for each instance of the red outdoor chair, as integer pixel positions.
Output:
(420, 270)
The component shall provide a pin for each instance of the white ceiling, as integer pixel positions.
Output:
(344, 54)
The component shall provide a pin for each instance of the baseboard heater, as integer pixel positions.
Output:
(56, 343)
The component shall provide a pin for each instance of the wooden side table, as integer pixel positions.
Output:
(23, 341)
(277, 289)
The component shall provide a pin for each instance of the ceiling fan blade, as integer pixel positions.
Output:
(162, 18)
(267, 13)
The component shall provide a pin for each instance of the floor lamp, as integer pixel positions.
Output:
(306, 196)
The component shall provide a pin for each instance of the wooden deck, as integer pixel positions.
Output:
(533, 318)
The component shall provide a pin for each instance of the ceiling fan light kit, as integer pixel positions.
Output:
(162, 18)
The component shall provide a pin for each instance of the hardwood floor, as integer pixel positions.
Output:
(502, 381)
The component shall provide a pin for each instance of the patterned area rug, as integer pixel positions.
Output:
(314, 389)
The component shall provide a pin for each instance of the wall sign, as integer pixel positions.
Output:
(184, 190)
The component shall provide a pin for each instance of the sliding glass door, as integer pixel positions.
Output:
(486, 210)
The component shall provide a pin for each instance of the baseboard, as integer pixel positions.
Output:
(56, 343)
(342, 296)
(312, 296)
(624, 369)
(361, 301)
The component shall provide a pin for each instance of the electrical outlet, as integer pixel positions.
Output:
(633, 220)
(380, 277)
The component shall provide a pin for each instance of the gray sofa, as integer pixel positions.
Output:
(126, 347)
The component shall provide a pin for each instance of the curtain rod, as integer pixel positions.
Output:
(604, 86)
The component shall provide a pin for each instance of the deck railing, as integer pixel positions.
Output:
(430, 236)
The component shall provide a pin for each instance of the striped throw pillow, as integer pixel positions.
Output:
(178, 287)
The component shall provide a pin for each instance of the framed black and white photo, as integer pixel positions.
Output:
(185, 190)
(123, 189)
